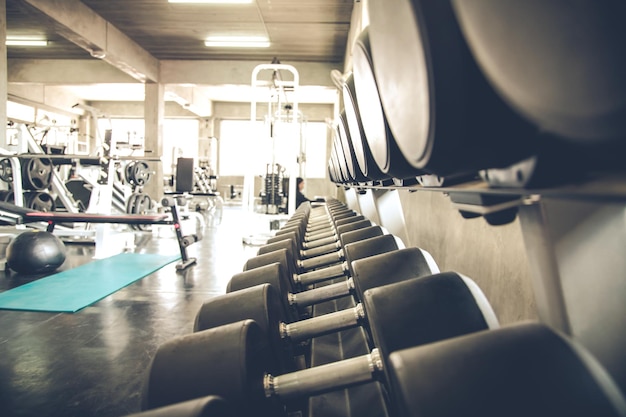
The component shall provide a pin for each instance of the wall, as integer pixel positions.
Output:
(494, 256)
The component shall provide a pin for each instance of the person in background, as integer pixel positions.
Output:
(300, 198)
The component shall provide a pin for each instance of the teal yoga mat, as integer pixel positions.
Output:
(75, 289)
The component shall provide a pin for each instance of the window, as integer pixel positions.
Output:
(180, 139)
(242, 147)
(316, 135)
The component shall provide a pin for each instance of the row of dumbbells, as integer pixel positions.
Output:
(434, 347)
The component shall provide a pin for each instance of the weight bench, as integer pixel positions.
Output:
(13, 214)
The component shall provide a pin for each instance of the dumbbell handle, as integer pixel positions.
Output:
(320, 250)
(313, 277)
(324, 378)
(314, 237)
(322, 260)
(322, 325)
(332, 238)
(319, 225)
(319, 295)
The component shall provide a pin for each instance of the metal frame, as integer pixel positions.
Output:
(280, 86)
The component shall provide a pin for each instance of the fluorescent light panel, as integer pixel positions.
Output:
(237, 42)
(26, 42)
(213, 1)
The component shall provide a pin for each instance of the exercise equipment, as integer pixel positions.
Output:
(283, 253)
(273, 268)
(586, 94)
(184, 175)
(354, 170)
(328, 243)
(520, 370)
(137, 173)
(35, 252)
(298, 300)
(81, 192)
(7, 196)
(337, 153)
(36, 173)
(380, 149)
(6, 170)
(572, 91)
(183, 241)
(39, 201)
(262, 303)
(443, 113)
(360, 146)
(320, 243)
(230, 360)
(139, 203)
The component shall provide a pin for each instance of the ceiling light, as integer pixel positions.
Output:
(213, 1)
(237, 42)
(26, 42)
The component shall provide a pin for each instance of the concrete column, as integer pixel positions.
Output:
(91, 130)
(3, 78)
(154, 110)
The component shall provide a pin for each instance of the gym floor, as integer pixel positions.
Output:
(92, 363)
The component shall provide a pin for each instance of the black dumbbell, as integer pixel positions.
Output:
(323, 238)
(520, 370)
(296, 287)
(356, 251)
(302, 253)
(328, 266)
(283, 253)
(261, 303)
(233, 360)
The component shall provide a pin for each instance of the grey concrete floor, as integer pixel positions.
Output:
(93, 362)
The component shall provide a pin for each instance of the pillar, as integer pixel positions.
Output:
(154, 110)
(3, 70)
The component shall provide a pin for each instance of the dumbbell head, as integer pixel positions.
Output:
(228, 361)
(440, 307)
(288, 244)
(353, 251)
(520, 370)
(387, 268)
(262, 304)
(171, 364)
(357, 235)
(293, 235)
(281, 256)
(273, 274)
(346, 237)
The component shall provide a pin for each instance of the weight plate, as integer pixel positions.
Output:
(141, 173)
(6, 170)
(128, 172)
(139, 203)
(39, 201)
(7, 196)
(36, 173)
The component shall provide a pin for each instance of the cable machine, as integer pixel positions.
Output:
(280, 176)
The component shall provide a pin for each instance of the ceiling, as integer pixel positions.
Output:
(299, 30)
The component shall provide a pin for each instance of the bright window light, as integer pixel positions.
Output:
(213, 1)
(26, 42)
(237, 42)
